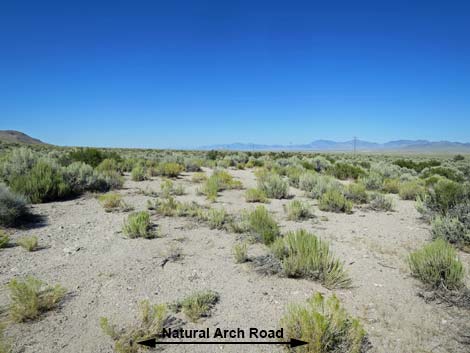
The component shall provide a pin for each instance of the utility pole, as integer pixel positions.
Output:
(355, 139)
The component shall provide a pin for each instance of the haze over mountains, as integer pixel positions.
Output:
(12, 136)
(364, 146)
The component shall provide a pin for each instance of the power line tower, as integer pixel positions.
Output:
(355, 142)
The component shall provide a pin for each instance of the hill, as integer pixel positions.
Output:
(12, 136)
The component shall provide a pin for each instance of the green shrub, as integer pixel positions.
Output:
(81, 177)
(320, 163)
(170, 169)
(198, 304)
(298, 210)
(307, 181)
(417, 166)
(315, 185)
(28, 243)
(461, 211)
(449, 173)
(262, 225)
(334, 201)
(153, 318)
(90, 156)
(274, 186)
(345, 171)
(191, 165)
(451, 229)
(304, 255)
(325, 325)
(380, 202)
(445, 194)
(391, 186)
(138, 225)
(356, 192)
(18, 162)
(113, 179)
(437, 266)
(138, 173)
(240, 252)
(107, 165)
(12, 207)
(410, 190)
(4, 239)
(373, 181)
(31, 297)
(256, 195)
(43, 183)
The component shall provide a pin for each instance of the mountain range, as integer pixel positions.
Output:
(363, 146)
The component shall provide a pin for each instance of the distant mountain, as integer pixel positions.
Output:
(363, 146)
(13, 136)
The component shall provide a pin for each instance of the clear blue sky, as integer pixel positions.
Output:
(189, 73)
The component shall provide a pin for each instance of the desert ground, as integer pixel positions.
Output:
(107, 274)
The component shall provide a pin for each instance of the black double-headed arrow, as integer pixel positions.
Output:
(152, 342)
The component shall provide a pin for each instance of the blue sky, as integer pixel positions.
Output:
(190, 73)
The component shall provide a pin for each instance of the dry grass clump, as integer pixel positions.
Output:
(261, 225)
(219, 180)
(298, 210)
(138, 226)
(4, 239)
(325, 325)
(198, 304)
(113, 202)
(437, 266)
(31, 297)
(240, 252)
(168, 188)
(334, 201)
(256, 195)
(153, 319)
(5, 345)
(199, 177)
(165, 207)
(216, 218)
(28, 243)
(304, 255)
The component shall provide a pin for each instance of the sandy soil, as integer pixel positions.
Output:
(107, 274)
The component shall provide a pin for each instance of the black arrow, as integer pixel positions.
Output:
(152, 342)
